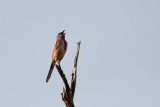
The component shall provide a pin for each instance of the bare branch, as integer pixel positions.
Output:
(60, 71)
(68, 92)
(75, 66)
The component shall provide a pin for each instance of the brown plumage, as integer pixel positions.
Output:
(59, 51)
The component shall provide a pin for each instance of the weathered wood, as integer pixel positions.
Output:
(69, 91)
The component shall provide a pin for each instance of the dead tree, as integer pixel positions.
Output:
(69, 90)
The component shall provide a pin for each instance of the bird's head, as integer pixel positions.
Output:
(61, 35)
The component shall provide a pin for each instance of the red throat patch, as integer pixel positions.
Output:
(65, 45)
(62, 37)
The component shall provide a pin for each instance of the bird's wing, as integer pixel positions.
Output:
(58, 43)
(56, 48)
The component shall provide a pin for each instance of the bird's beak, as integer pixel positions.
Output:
(63, 32)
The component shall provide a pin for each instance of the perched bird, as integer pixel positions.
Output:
(59, 51)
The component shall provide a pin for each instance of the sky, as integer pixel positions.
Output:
(119, 59)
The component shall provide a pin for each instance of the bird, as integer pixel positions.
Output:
(59, 51)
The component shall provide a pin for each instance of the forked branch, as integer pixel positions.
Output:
(69, 91)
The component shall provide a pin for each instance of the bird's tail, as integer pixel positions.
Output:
(50, 70)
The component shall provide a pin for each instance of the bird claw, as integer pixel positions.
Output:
(58, 63)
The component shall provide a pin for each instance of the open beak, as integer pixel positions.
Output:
(63, 32)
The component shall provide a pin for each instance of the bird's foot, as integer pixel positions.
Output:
(58, 63)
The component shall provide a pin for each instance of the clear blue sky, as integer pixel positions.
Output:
(119, 61)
